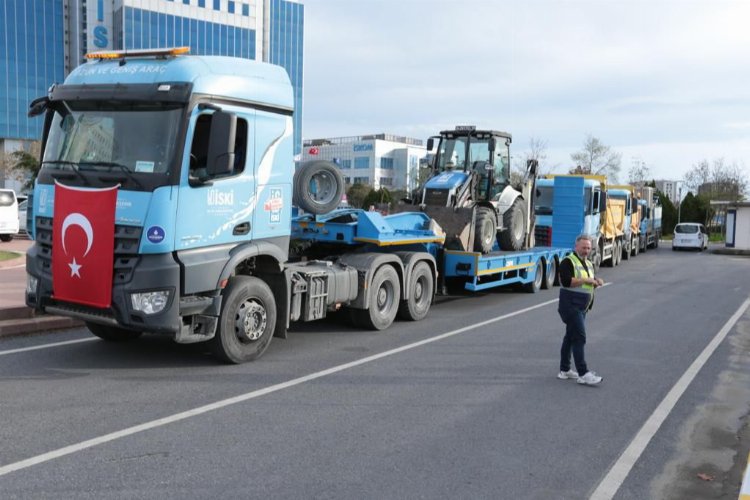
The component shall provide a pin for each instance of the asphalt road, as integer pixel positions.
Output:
(464, 404)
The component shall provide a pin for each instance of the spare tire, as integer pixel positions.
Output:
(318, 187)
(513, 235)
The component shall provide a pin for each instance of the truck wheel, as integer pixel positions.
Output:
(6, 237)
(534, 285)
(485, 229)
(513, 236)
(112, 333)
(318, 187)
(626, 252)
(635, 247)
(597, 262)
(385, 294)
(550, 275)
(618, 253)
(656, 241)
(419, 295)
(247, 321)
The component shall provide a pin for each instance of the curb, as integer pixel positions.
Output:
(16, 261)
(22, 320)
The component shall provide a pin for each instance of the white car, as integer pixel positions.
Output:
(8, 214)
(690, 235)
(22, 216)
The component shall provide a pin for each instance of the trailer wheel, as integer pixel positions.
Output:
(485, 230)
(550, 274)
(6, 237)
(112, 333)
(385, 294)
(318, 187)
(536, 284)
(247, 320)
(419, 295)
(513, 236)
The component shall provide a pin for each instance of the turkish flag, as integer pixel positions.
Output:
(313, 151)
(83, 242)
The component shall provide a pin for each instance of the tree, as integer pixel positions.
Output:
(668, 213)
(355, 195)
(638, 172)
(597, 158)
(695, 209)
(723, 181)
(377, 197)
(537, 151)
(24, 167)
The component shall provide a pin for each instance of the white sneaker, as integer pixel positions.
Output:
(567, 375)
(589, 378)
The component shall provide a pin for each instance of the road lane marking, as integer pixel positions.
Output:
(90, 443)
(611, 483)
(46, 346)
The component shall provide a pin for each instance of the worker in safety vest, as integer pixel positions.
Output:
(577, 284)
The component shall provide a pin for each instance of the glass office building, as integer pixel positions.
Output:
(41, 41)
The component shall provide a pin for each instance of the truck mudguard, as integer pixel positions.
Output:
(241, 253)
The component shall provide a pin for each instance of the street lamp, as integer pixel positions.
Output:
(679, 203)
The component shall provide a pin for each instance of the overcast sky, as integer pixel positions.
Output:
(667, 82)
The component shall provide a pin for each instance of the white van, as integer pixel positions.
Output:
(8, 214)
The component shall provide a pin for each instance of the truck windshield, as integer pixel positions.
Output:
(127, 137)
(543, 203)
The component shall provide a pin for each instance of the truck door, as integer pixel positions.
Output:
(216, 210)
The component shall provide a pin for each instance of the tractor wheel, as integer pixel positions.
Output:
(513, 236)
(318, 187)
(485, 229)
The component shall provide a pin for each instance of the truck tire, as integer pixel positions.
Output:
(6, 237)
(597, 260)
(626, 252)
(419, 295)
(385, 295)
(247, 320)
(618, 253)
(550, 274)
(485, 230)
(513, 236)
(318, 187)
(536, 284)
(112, 333)
(635, 247)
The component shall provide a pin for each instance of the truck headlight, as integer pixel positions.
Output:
(31, 284)
(150, 302)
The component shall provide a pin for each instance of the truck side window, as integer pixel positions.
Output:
(199, 148)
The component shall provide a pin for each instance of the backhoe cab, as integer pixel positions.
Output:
(469, 193)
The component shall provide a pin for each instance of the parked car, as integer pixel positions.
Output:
(690, 235)
(8, 214)
(22, 216)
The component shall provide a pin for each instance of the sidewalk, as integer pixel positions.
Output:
(15, 317)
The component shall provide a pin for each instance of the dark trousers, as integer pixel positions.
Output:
(575, 339)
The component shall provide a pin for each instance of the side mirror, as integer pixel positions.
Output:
(491, 144)
(220, 159)
(430, 143)
(603, 202)
(38, 106)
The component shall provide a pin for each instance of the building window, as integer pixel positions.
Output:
(217, 4)
(245, 9)
(186, 2)
(201, 3)
(230, 6)
(348, 180)
(346, 163)
(361, 180)
(386, 181)
(386, 163)
(362, 162)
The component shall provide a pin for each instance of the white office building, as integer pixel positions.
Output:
(671, 189)
(378, 160)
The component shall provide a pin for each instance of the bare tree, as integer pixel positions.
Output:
(537, 151)
(597, 158)
(638, 172)
(718, 181)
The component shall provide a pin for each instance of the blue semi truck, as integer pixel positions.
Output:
(208, 245)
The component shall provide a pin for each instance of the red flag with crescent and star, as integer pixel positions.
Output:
(83, 241)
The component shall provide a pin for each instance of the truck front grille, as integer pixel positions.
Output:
(436, 197)
(127, 239)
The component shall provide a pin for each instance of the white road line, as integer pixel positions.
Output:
(90, 443)
(616, 476)
(46, 346)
